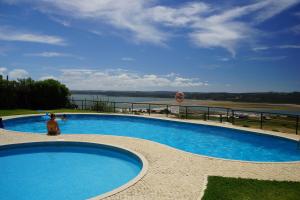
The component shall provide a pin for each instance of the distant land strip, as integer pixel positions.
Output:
(256, 97)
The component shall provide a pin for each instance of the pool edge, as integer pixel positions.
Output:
(136, 179)
(197, 122)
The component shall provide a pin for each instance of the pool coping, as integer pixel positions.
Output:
(128, 184)
(197, 122)
(191, 121)
(243, 169)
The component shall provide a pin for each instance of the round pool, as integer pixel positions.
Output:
(64, 170)
(199, 139)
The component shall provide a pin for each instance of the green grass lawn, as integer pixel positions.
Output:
(27, 111)
(221, 188)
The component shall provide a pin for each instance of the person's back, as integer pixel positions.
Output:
(1, 123)
(52, 126)
(64, 117)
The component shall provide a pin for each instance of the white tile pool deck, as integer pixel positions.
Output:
(174, 174)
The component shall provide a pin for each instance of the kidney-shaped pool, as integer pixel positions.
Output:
(64, 170)
(199, 139)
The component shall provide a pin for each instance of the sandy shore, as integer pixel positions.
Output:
(236, 105)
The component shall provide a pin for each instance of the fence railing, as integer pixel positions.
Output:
(247, 118)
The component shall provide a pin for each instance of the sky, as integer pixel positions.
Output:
(161, 45)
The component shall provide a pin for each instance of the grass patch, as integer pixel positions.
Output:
(27, 111)
(250, 189)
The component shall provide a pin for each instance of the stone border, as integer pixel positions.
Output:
(133, 181)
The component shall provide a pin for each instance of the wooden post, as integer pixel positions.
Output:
(207, 113)
(167, 110)
(227, 114)
(221, 118)
(232, 115)
(297, 124)
(149, 111)
(186, 112)
(131, 108)
(114, 107)
(261, 120)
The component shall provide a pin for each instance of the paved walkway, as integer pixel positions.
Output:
(172, 174)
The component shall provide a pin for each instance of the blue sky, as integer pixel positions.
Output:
(203, 46)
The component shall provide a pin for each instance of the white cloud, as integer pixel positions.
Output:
(63, 22)
(226, 30)
(18, 74)
(224, 59)
(270, 58)
(48, 54)
(288, 46)
(225, 35)
(127, 59)
(262, 48)
(48, 77)
(283, 46)
(127, 15)
(274, 7)
(207, 25)
(84, 79)
(99, 33)
(8, 34)
(2, 70)
(181, 16)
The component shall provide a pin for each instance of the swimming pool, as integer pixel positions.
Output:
(205, 140)
(64, 170)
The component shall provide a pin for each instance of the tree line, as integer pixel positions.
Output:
(255, 97)
(31, 94)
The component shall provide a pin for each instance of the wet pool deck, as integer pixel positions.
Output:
(174, 174)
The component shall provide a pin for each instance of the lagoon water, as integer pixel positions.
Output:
(101, 97)
(118, 98)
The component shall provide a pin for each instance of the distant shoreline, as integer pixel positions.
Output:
(291, 98)
(259, 107)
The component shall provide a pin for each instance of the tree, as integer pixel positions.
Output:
(27, 93)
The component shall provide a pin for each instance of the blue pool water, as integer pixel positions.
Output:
(199, 139)
(63, 170)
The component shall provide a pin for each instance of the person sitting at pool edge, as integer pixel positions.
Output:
(1, 123)
(64, 117)
(52, 126)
